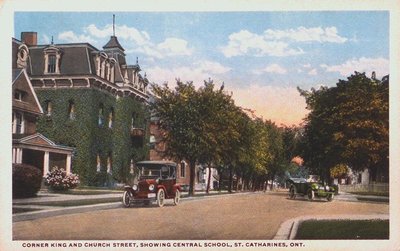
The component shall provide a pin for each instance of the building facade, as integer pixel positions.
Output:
(29, 146)
(92, 101)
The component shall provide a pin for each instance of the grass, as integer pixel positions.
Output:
(17, 210)
(385, 194)
(73, 203)
(374, 199)
(343, 230)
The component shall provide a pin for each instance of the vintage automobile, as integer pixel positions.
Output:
(311, 189)
(156, 182)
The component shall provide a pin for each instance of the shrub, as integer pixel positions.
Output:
(26, 180)
(59, 180)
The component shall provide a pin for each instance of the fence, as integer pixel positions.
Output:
(374, 187)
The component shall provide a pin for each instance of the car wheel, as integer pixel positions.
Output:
(160, 198)
(126, 199)
(329, 197)
(292, 192)
(310, 194)
(177, 197)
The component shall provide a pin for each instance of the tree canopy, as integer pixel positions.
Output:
(348, 124)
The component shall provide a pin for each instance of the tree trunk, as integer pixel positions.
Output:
(272, 182)
(220, 181)
(192, 166)
(230, 180)
(209, 179)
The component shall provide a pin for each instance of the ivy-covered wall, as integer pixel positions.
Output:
(83, 131)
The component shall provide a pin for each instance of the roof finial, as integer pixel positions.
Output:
(137, 60)
(52, 41)
(114, 25)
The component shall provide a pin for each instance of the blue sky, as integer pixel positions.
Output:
(261, 56)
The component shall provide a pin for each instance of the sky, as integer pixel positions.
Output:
(261, 57)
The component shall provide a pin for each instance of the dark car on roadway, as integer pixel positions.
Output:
(156, 182)
(311, 189)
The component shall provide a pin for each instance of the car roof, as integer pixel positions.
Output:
(156, 162)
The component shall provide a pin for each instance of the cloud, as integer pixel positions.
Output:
(245, 42)
(133, 39)
(363, 64)
(276, 42)
(71, 37)
(302, 34)
(313, 72)
(272, 68)
(197, 72)
(174, 47)
(283, 105)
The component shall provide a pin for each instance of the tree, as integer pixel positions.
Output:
(199, 124)
(348, 124)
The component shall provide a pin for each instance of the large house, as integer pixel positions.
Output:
(92, 101)
(29, 146)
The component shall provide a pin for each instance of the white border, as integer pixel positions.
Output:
(8, 7)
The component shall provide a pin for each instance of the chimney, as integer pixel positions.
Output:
(29, 38)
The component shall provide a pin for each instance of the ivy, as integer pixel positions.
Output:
(89, 138)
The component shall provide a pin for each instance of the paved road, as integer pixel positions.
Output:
(231, 217)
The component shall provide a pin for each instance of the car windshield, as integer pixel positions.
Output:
(146, 171)
(155, 171)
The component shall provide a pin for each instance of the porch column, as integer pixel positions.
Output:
(14, 155)
(46, 163)
(68, 164)
(19, 156)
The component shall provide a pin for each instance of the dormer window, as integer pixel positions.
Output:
(51, 65)
(18, 123)
(52, 56)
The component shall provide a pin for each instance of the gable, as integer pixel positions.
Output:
(37, 139)
(29, 101)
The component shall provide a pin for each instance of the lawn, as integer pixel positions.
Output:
(343, 230)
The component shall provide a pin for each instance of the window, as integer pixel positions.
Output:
(101, 116)
(183, 169)
(71, 110)
(98, 161)
(48, 108)
(132, 166)
(18, 95)
(51, 64)
(133, 120)
(109, 163)
(52, 59)
(18, 123)
(152, 142)
(111, 118)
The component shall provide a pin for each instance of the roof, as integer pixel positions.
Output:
(76, 60)
(29, 102)
(113, 43)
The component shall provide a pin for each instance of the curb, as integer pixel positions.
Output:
(288, 229)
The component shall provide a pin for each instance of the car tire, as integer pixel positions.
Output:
(329, 197)
(126, 199)
(292, 192)
(177, 197)
(310, 194)
(160, 198)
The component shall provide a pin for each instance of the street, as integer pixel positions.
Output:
(248, 216)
